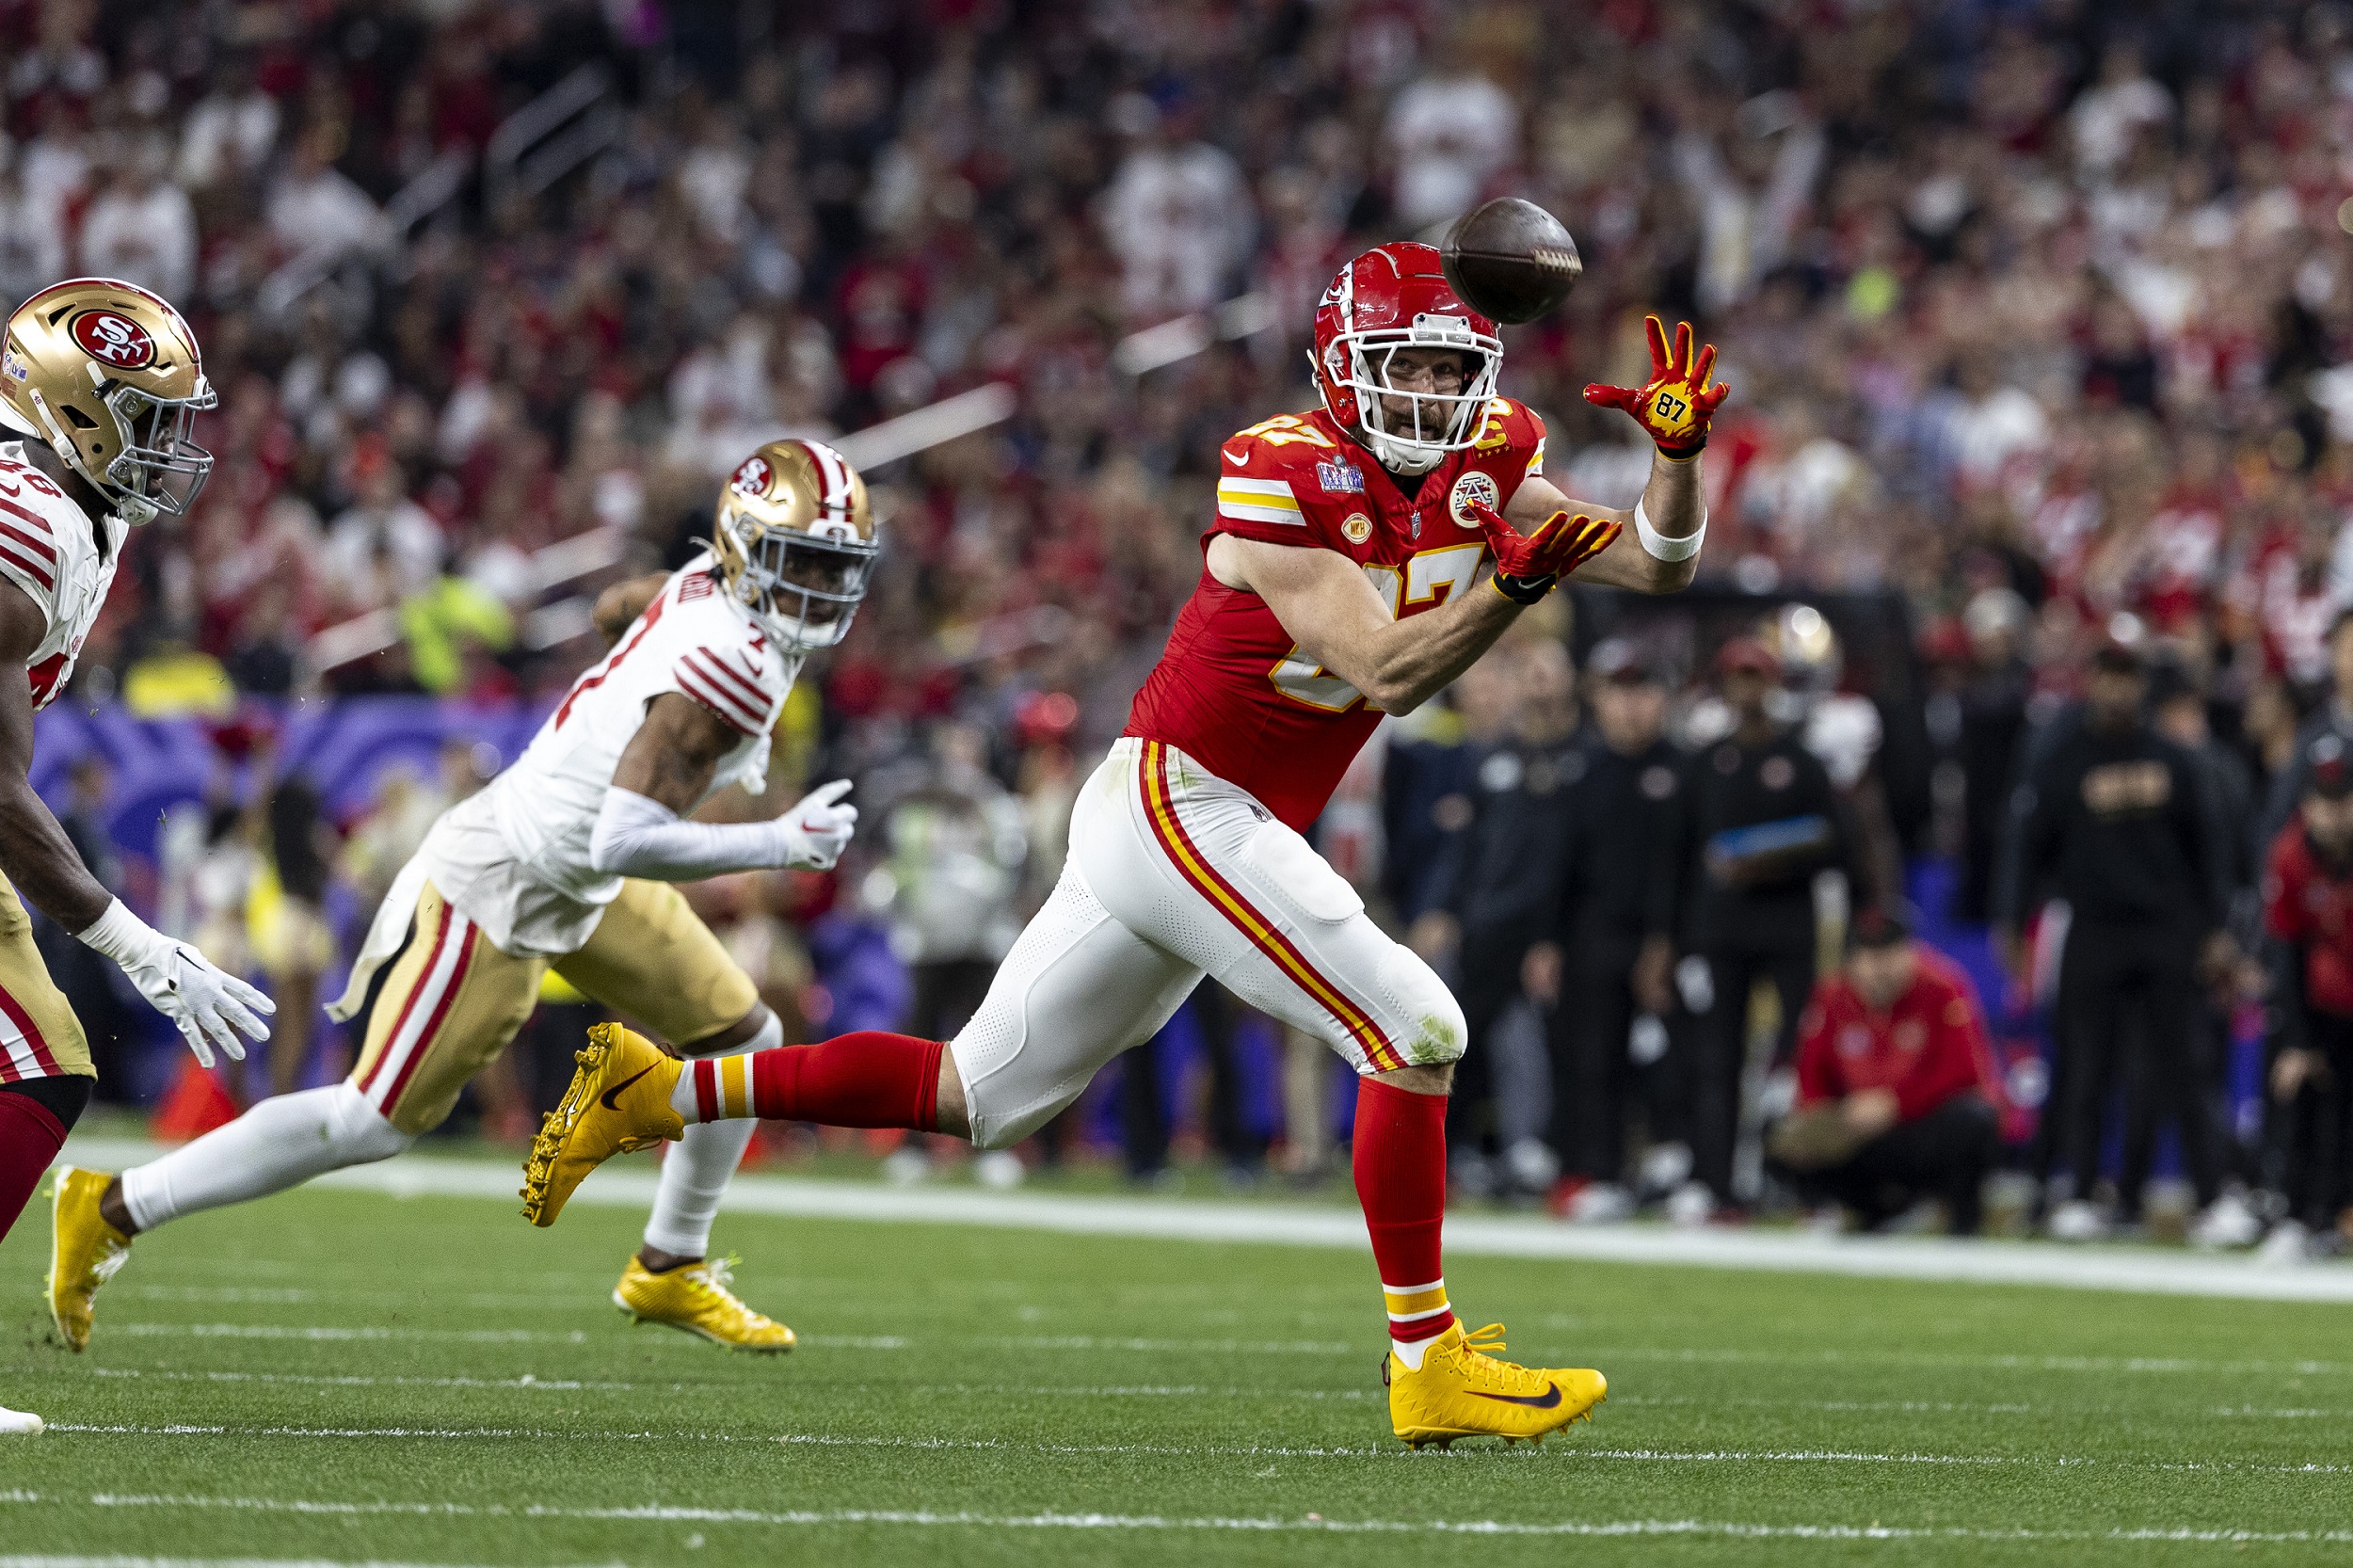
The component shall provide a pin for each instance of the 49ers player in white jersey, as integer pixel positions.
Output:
(103, 379)
(1344, 576)
(565, 862)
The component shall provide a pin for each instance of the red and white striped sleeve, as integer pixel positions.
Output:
(731, 682)
(29, 554)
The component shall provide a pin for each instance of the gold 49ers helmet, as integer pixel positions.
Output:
(108, 375)
(795, 540)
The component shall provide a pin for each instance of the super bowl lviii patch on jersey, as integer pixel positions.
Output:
(1340, 478)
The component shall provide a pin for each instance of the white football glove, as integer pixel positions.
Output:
(818, 829)
(211, 1006)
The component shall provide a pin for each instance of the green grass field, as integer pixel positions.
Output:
(348, 1377)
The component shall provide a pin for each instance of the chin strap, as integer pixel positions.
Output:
(57, 437)
(133, 510)
(1385, 448)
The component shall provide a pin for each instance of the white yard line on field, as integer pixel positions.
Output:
(532, 1382)
(19, 1561)
(830, 1342)
(277, 1296)
(1172, 1451)
(1600, 1354)
(1833, 1356)
(2149, 1270)
(1310, 1524)
(526, 1380)
(338, 1333)
(467, 1336)
(1113, 1342)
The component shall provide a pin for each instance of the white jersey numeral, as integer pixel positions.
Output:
(1433, 574)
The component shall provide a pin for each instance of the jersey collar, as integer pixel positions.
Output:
(1400, 503)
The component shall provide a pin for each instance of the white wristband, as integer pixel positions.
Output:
(1660, 547)
(122, 936)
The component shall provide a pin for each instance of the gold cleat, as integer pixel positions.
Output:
(1461, 1390)
(83, 1252)
(696, 1297)
(618, 1102)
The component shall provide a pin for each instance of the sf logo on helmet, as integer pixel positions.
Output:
(115, 339)
(752, 477)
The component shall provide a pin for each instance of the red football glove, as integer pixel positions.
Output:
(1676, 403)
(1527, 565)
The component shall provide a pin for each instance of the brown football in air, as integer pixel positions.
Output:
(1510, 260)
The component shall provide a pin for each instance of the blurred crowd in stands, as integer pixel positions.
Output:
(2034, 313)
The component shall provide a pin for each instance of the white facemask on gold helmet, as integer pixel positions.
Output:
(795, 541)
(109, 377)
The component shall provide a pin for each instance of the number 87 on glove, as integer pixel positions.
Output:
(1675, 406)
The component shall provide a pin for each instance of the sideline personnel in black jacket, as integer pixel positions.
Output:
(1501, 881)
(2116, 820)
(1605, 963)
(1759, 820)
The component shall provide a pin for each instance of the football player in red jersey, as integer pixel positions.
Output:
(1346, 576)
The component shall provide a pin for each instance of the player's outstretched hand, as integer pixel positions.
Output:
(818, 829)
(1675, 404)
(208, 1004)
(211, 1006)
(1529, 564)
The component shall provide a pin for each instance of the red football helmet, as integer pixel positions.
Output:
(1389, 298)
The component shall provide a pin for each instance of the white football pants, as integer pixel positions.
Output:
(1174, 874)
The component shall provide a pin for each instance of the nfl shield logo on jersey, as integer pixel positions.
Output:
(1474, 486)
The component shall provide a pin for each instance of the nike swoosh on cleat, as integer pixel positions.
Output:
(605, 1099)
(1546, 1400)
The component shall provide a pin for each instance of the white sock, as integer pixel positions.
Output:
(1410, 1352)
(682, 1101)
(280, 1143)
(696, 1170)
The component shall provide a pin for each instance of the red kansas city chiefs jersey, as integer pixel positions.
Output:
(1928, 1047)
(1233, 691)
(2307, 902)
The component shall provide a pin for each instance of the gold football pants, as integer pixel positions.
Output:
(451, 1000)
(39, 1036)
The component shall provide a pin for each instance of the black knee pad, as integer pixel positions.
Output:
(65, 1097)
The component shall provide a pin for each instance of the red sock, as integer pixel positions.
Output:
(870, 1078)
(1399, 1161)
(30, 1137)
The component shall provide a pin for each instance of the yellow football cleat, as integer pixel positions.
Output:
(618, 1102)
(83, 1252)
(696, 1297)
(1460, 1390)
